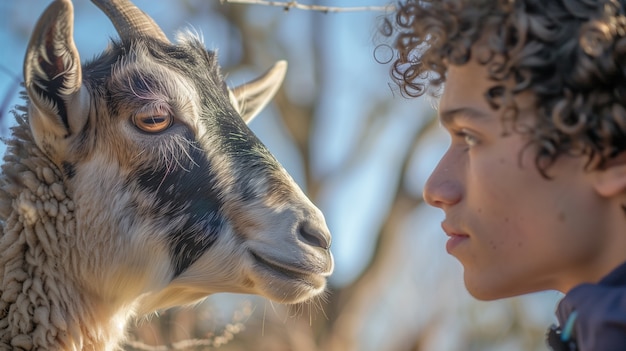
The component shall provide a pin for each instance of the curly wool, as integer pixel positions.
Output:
(38, 305)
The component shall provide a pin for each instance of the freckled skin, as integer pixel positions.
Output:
(525, 233)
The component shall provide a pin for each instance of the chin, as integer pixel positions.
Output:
(489, 291)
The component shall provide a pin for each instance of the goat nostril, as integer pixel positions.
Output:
(314, 236)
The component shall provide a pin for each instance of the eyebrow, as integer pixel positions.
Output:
(448, 117)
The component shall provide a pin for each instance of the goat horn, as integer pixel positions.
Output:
(130, 21)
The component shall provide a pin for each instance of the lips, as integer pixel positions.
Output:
(288, 281)
(456, 237)
(280, 269)
(455, 241)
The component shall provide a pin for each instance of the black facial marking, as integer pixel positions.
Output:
(97, 71)
(69, 169)
(188, 192)
(193, 239)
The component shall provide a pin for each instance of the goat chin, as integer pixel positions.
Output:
(132, 183)
(240, 272)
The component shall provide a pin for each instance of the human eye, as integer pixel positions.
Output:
(467, 137)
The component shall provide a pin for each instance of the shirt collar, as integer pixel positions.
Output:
(616, 277)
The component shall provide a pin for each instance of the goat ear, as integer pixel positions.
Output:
(52, 76)
(250, 98)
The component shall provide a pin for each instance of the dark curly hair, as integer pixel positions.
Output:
(570, 53)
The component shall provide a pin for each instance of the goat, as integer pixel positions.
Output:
(132, 183)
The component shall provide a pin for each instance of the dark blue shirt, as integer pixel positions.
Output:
(600, 313)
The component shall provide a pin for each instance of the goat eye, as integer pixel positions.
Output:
(153, 123)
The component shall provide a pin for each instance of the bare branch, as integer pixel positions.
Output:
(294, 4)
(216, 341)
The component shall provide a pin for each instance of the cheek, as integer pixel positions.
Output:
(573, 227)
(495, 187)
(543, 219)
(505, 202)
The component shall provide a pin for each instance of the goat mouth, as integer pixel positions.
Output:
(281, 270)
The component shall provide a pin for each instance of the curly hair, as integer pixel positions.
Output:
(570, 53)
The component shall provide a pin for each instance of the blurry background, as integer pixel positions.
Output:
(358, 149)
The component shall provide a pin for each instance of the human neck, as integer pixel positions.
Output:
(591, 273)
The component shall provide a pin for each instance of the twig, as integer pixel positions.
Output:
(214, 342)
(211, 341)
(295, 5)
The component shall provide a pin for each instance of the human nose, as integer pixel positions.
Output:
(442, 188)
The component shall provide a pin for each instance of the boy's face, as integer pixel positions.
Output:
(513, 230)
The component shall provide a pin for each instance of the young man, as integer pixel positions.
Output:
(533, 185)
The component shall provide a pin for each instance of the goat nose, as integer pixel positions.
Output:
(314, 234)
